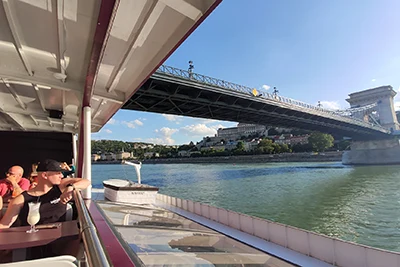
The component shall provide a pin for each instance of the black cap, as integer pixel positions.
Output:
(49, 165)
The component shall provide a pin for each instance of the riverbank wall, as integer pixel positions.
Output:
(284, 157)
(107, 162)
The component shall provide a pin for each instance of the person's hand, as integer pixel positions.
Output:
(65, 166)
(11, 178)
(66, 195)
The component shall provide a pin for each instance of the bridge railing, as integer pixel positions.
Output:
(199, 78)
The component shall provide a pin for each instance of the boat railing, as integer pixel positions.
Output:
(319, 246)
(94, 250)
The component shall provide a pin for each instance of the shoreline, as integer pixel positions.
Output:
(284, 157)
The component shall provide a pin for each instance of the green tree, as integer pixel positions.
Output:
(265, 146)
(240, 146)
(285, 148)
(277, 148)
(320, 141)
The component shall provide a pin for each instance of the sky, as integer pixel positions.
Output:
(311, 50)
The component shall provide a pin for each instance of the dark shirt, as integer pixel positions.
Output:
(51, 209)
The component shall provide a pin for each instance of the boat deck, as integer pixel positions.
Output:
(159, 236)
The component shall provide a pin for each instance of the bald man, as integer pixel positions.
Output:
(13, 185)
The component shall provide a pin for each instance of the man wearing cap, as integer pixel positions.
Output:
(13, 185)
(51, 191)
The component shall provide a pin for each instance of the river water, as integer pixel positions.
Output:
(359, 204)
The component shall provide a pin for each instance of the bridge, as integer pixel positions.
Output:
(174, 91)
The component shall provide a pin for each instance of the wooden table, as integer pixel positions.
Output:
(17, 239)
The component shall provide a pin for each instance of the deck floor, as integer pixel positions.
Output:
(160, 237)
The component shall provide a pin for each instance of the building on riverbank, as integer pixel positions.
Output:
(242, 129)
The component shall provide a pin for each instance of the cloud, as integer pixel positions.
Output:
(165, 131)
(207, 121)
(132, 124)
(138, 122)
(265, 87)
(157, 141)
(373, 80)
(330, 105)
(137, 139)
(397, 105)
(107, 131)
(200, 129)
(112, 121)
(175, 118)
(164, 138)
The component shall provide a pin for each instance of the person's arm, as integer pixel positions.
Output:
(79, 183)
(70, 184)
(1, 204)
(12, 212)
(3, 189)
(17, 190)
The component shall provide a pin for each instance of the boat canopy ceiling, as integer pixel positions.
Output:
(48, 48)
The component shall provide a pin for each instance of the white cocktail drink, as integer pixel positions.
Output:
(33, 216)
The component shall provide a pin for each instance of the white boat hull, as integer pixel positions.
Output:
(126, 191)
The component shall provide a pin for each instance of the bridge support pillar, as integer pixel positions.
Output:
(377, 152)
(384, 97)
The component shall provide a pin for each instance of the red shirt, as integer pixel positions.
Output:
(6, 187)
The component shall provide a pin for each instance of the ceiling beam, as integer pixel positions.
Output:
(184, 8)
(15, 95)
(17, 120)
(19, 41)
(50, 122)
(116, 96)
(39, 96)
(120, 68)
(98, 109)
(34, 120)
(61, 38)
(63, 102)
(48, 83)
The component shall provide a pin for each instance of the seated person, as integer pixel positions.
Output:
(13, 185)
(51, 191)
(33, 176)
(68, 169)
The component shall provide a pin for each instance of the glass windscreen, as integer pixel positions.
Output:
(162, 238)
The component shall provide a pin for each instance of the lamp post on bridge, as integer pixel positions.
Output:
(275, 92)
(190, 69)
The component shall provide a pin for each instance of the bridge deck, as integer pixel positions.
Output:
(169, 94)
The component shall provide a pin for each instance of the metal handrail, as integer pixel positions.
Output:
(95, 253)
(199, 78)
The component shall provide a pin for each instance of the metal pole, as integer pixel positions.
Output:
(87, 159)
(95, 253)
(190, 69)
(74, 149)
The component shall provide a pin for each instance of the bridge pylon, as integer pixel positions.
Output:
(383, 96)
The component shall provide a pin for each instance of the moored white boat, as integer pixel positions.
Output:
(127, 191)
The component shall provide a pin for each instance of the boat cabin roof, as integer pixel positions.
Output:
(57, 55)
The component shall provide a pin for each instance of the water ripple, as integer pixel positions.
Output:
(359, 204)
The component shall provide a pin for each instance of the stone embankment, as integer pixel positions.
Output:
(284, 157)
(107, 162)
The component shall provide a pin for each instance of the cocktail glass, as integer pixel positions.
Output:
(33, 216)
